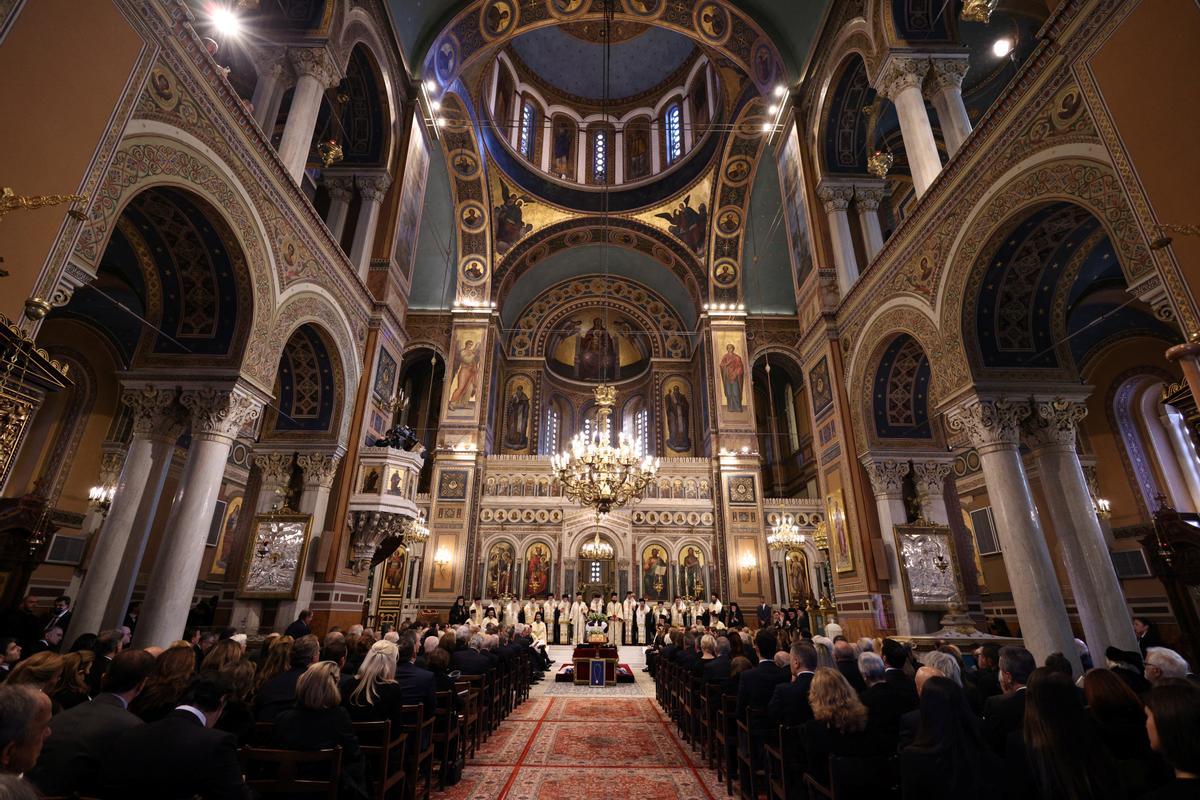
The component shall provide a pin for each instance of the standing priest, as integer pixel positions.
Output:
(616, 620)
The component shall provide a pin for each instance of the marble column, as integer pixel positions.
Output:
(1184, 451)
(117, 553)
(274, 475)
(930, 478)
(836, 200)
(272, 67)
(217, 416)
(887, 484)
(945, 93)
(1098, 595)
(866, 202)
(315, 72)
(372, 189)
(900, 81)
(993, 427)
(319, 470)
(341, 192)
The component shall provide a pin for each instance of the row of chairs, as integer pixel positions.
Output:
(762, 758)
(400, 759)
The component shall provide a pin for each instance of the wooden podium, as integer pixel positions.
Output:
(595, 665)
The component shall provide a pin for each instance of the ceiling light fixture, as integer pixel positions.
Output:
(1002, 47)
(431, 86)
(780, 90)
(225, 21)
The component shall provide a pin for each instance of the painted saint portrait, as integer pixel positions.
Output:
(393, 571)
(733, 377)
(654, 574)
(466, 370)
(796, 569)
(791, 183)
(689, 225)
(691, 573)
(839, 535)
(233, 513)
(516, 417)
(370, 480)
(637, 149)
(395, 482)
(564, 137)
(677, 407)
(500, 569)
(510, 219)
(537, 570)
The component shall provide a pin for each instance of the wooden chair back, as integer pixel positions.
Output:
(284, 773)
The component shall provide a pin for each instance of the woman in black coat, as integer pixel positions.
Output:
(318, 722)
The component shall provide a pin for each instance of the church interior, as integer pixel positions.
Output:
(880, 315)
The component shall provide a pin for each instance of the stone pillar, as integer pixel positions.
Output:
(900, 81)
(372, 189)
(315, 72)
(994, 429)
(1184, 451)
(122, 537)
(1098, 595)
(866, 201)
(272, 69)
(341, 191)
(217, 415)
(836, 199)
(945, 93)
(929, 477)
(887, 484)
(319, 470)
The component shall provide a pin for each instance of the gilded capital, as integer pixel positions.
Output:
(900, 74)
(930, 476)
(340, 188)
(887, 477)
(276, 471)
(835, 197)
(989, 423)
(319, 468)
(868, 198)
(155, 413)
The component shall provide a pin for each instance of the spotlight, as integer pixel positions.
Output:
(767, 127)
(1002, 47)
(773, 110)
(436, 105)
(225, 21)
(431, 86)
(441, 122)
(780, 90)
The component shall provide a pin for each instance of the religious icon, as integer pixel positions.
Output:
(692, 574)
(637, 149)
(500, 568)
(465, 165)
(654, 574)
(737, 170)
(472, 219)
(473, 270)
(713, 22)
(725, 273)
(567, 6)
(537, 570)
(385, 375)
(393, 572)
(763, 69)
(516, 420)
(510, 219)
(395, 483)
(733, 375)
(462, 393)
(678, 427)
(233, 512)
(729, 222)
(563, 146)
(371, 478)
(446, 60)
(688, 224)
(498, 17)
(797, 575)
(643, 7)
(839, 536)
(596, 355)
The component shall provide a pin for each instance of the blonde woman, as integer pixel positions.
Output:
(318, 721)
(276, 662)
(72, 684)
(40, 671)
(374, 694)
(839, 724)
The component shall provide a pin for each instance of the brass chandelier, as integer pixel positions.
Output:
(595, 473)
(596, 550)
(415, 530)
(785, 534)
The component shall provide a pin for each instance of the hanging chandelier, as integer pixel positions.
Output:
(785, 534)
(415, 530)
(596, 550)
(595, 473)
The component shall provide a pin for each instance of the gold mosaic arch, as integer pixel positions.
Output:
(468, 188)
(487, 25)
(1090, 184)
(944, 361)
(735, 176)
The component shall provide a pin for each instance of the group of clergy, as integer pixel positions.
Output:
(632, 621)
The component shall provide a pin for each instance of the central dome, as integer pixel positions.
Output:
(573, 61)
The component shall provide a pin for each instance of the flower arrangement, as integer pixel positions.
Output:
(596, 628)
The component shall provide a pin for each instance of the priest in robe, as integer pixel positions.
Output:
(538, 630)
(695, 613)
(616, 620)
(562, 619)
(678, 608)
(642, 622)
(716, 612)
(475, 611)
(627, 607)
(511, 610)
(528, 611)
(579, 610)
(661, 614)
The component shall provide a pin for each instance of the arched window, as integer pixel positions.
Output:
(552, 428)
(600, 156)
(526, 140)
(641, 431)
(674, 132)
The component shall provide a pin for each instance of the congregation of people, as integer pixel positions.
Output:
(100, 719)
(783, 713)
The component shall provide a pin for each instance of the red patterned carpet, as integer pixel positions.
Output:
(555, 748)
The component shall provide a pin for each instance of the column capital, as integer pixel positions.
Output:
(373, 188)
(930, 476)
(155, 412)
(319, 468)
(989, 423)
(835, 196)
(1055, 421)
(900, 73)
(340, 188)
(947, 73)
(887, 476)
(219, 413)
(368, 529)
(271, 61)
(317, 62)
(276, 470)
(868, 197)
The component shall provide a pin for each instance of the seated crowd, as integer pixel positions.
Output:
(789, 715)
(104, 720)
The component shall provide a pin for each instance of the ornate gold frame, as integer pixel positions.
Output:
(248, 557)
(928, 528)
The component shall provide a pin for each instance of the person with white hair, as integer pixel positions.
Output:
(833, 630)
(355, 630)
(391, 636)
(944, 663)
(866, 645)
(1163, 663)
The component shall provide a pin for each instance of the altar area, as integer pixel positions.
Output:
(596, 667)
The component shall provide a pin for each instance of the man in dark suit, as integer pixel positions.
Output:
(987, 673)
(470, 660)
(1146, 634)
(417, 686)
(81, 737)
(847, 664)
(764, 614)
(789, 703)
(180, 755)
(1005, 713)
(50, 641)
(60, 616)
(886, 701)
(108, 644)
(895, 656)
(717, 670)
(756, 686)
(280, 692)
(300, 627)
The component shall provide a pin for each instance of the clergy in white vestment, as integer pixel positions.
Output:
(475, 612)
(529, 610)
(715, 611)
(579, 611)
(660, 611)
(627, 606)
(696, 613)
(510, 612)
(644, 632)
(678, 608)
(538, 630)
(616, 620)
(562, 620)
(597, 604)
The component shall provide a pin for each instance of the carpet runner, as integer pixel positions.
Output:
(593, 747)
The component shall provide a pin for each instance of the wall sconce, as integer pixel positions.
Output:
(441, 560)
(747, 564)
(1102, 506)
(101, 497)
